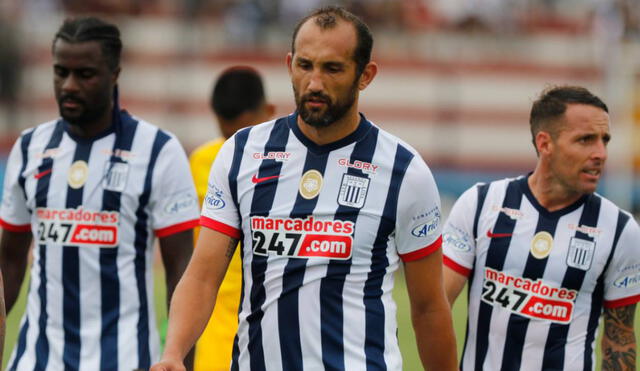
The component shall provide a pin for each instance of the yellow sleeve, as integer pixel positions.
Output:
(200, 161)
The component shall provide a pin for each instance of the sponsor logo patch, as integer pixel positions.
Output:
(528, 298)
(457, 238)
(589, 231)
(214, 199)
(541, 245)
(427, 228)
(310, 184)
(580, 254)
(115, 176)
(366, 167)
(353, 191)
(180, 203)
(78, 227)
(302, 238)
(514, 214)
(626, 282)
(78, 174)
(276, 156)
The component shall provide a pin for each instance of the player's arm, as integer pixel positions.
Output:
(3, 317)
(176, 251)
(430, 313)
(14, 251)
(195, 296)
(619, 340)
(453, 284)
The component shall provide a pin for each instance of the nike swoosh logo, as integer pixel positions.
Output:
(257, 180)
(498, 235)
(40, 175)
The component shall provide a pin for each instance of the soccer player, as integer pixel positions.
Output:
(92, 189)
(327, 206)
(544, 254)
(238, 101)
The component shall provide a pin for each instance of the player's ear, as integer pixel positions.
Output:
(289, 59)
(370, 71)
(544, 143)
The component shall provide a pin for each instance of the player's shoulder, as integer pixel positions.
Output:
(41, 130)
(386, 138)
(608, 207)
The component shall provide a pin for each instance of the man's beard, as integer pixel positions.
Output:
(332, 113)
(86, 116)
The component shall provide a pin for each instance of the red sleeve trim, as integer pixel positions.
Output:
(220, 227)
(425, 251)
(622, 302)
(455, 266)
(15, 227)
(168, 231)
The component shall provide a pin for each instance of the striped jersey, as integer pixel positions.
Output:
(94, 207)
(323, 229)
(538, 280)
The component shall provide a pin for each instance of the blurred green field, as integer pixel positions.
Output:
(405, 331)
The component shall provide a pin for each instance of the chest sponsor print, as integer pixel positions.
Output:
(302, 238)
(528, 298)
(77, 227)
(353, 191)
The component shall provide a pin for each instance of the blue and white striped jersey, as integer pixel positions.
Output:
(538, 280)
(323, 229)
(94, 207)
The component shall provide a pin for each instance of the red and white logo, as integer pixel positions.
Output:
(366, 167)
(302, 238)
(78, 227)
(528, 298)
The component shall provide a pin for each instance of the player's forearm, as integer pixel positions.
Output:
(3, 316)
(190, 309)
(618, 340)
(436, 339)
(14, 250)
(14, 271)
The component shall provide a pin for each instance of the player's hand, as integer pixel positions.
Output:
(168, 365)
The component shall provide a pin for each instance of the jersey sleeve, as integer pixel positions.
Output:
(173, 200)
(219, 211)
(622, 278)
(14, 213)
(418, 218)
(458, 244)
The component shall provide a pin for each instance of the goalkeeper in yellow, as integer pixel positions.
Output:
(237, 100)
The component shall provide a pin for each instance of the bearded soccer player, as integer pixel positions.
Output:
(92, 189)
(327, 206)
(544, 254)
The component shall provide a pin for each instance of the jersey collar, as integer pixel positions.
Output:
(363, 128)
(524, 185)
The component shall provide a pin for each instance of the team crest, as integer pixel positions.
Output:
(115, 176)
(541, 245)
(310, 184)
(78, 174)
(580, 253)
(353, 191)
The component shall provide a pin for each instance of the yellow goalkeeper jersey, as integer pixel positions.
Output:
(213, 350)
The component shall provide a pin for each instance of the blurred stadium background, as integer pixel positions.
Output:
(456, 80)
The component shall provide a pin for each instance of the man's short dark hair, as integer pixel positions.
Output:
(238, 89)
(84, 29)
(326, 18)
(552, 104)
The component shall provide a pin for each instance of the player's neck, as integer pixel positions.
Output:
(94, 128)
(334, 132)
(549, 193)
